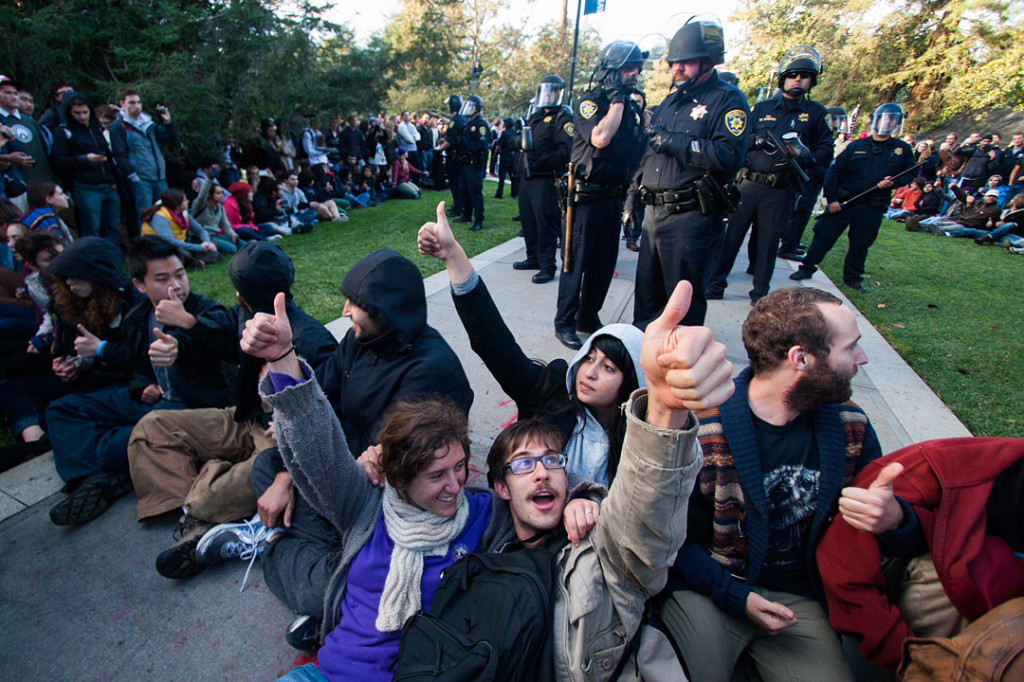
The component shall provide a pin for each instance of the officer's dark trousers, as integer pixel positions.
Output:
(864, 222)
(298, 565)
(455, 181)
(798, 221)
(770, 208)
(541, 219)
(473, 191)
(593, 251)
(674, 248)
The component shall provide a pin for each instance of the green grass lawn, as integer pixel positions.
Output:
(323, 256)
(952, 309)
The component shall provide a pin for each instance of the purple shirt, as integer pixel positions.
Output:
(355, 650)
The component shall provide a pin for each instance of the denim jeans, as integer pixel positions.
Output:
(98, 209)
(304, 673)
(146, 193)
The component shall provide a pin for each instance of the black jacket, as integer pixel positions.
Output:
(362, 379)
(72, 143)
(198, 377)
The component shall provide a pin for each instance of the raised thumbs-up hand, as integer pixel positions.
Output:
(163, 352)
(436, 239)
(685, 368)
(171, 312)
(86, 343)
(876, 509)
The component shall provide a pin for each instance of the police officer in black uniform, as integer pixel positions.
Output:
(507, 153)
(545, 157)
(790, 247)
(607, 143)
(450, 146)
(473, 147)
(768, 183)
(698, 141)
(866, 163)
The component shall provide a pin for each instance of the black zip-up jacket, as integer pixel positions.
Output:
(72, 143)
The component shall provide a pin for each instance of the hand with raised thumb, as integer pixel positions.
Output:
(171, 312)
(86, 344)
(268, 336)
(685, 368)
(875, 509)
(436, 238)
(163, 351)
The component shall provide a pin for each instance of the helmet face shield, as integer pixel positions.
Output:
(473, 105)
(887, 120)
(839, 123)
(549, 95)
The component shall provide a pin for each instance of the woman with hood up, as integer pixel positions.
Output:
(581, 398)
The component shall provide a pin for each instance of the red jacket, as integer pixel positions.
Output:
(947, 482)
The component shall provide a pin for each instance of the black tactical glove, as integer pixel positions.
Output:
(619, 93)
(665, 142)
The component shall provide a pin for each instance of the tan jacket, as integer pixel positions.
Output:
(604, 583)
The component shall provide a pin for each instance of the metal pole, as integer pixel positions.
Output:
(575, 44)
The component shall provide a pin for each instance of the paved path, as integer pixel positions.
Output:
(87, 604)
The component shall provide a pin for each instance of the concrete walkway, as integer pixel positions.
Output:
(87, 604)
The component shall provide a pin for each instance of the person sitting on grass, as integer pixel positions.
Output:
(397, 540)
(296, 202)
(1008, 229)
(322, 194)
(169, 220)
(401, 176)
(238, 208)
(980, 215)
(46, 200)
(208, 210)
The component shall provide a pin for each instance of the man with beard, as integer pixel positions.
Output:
(776, 457)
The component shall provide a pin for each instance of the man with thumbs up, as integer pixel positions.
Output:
(173, 341)
(776, 458)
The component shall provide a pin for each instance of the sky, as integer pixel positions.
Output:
(621, 18)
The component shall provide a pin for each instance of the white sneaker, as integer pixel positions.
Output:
(281, 229)
(244, 541)
(274, 237)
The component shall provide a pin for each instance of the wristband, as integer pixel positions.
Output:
(99, 348)
(283, 355)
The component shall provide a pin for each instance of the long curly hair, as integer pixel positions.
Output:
(95, 313)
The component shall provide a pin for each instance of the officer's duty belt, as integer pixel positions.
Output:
(773, 180)
(673, 200)
(587, 192)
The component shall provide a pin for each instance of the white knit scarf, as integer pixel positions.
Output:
(416, 534)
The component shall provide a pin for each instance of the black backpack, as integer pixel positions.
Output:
(490, 620)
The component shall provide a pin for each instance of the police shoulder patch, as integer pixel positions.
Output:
(483, 131)
(736, 121)
(569, 129)
(588, 108)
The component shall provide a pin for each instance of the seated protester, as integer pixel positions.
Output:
(9, 214)
(268, 208)
(776, 457)
(86, 344)
(605, 579)
(296, 201)
(344, 190)
(359, 185)
(396, 541)
(45, 200)
(37, 251)
(207, 210)
(980, 215)
(172, 340)
(169, 220)
(1008, 229)
(298, 216)
(322, 194)
(906, 200)
(389, 354)
(581, 398)
(238, 209)
(967, 495)
(369, 180)
(354, 165)
(994, 182)
(931, 199)
(17, 317)
(401, 172)
(199, 460)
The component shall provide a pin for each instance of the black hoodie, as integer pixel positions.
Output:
(73, 142)
(411, 358)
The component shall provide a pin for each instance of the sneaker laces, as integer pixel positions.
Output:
(252, 540)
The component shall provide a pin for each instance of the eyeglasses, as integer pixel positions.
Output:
(525, 465)
(799, 74)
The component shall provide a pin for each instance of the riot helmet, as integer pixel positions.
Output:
(620, 54)
(509, 122)
(701, 37)
(802, 59)
(472, 106)
(454, 104)
(549, 91)
(887, 120)
(838, 121)
(729, 77)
